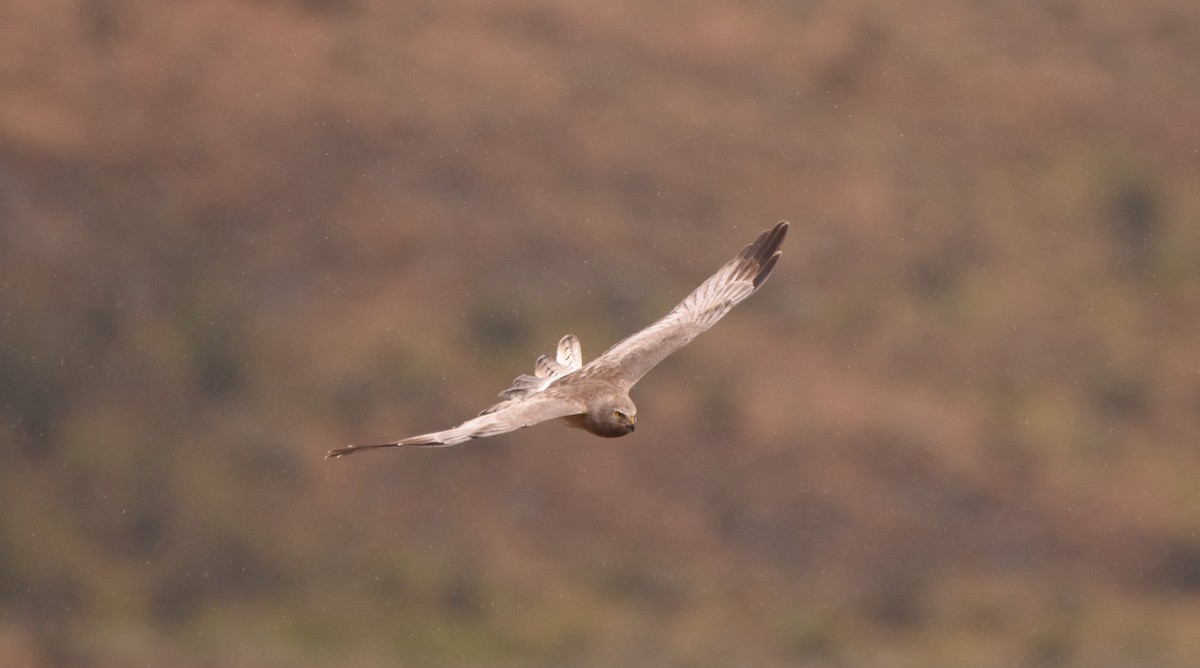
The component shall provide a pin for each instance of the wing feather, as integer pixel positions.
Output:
(632, 357)
(516, 415)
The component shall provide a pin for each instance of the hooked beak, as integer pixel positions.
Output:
(632, 422)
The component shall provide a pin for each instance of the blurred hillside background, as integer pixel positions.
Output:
(960, 425)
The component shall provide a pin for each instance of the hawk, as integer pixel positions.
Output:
(595, 396)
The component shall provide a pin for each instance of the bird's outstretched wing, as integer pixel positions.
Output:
(627, 361)
(560, 388)
(513, 416)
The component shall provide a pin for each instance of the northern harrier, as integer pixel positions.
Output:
(595, 396)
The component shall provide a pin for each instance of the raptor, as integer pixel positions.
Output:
(595, 396)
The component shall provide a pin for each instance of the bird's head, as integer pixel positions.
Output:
(612, 418)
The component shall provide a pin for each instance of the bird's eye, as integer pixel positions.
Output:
(619, 415)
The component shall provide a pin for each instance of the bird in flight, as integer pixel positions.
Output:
(595, 396)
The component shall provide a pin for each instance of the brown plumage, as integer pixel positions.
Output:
(595, 396)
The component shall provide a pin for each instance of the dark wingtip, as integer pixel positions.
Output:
(764, 252)
(351, 449)
(777, 234)
(767, 243)
(766, 270)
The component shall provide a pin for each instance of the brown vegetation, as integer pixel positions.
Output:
(959, 426)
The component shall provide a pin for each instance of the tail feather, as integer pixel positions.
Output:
(545, 367)
(570, 353)
(568, 358)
